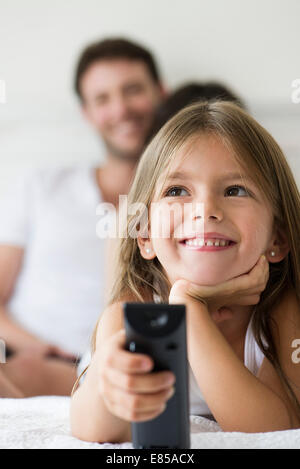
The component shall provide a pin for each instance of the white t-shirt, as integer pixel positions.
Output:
(59, 293)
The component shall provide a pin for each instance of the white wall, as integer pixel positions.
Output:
(251, 45)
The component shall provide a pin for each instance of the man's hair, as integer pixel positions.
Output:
(110, 49)
(188, 94)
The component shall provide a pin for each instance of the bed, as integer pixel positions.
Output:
(43, 423)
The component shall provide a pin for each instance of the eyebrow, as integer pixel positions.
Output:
(227, 176)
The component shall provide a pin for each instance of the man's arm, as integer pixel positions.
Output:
(14, 336)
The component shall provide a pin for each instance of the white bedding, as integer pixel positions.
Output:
(43, 422)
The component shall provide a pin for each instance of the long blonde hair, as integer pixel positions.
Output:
(258, 153)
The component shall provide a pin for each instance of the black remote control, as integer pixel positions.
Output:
(159, 330)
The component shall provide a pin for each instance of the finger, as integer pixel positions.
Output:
(266, 271)
(259, 275)
(127, 415)
(248, 300)
(124, 360)
(249, 283)
(261, 267)
(140, 403)
(137, 383)
(129, 362)
(137, 406)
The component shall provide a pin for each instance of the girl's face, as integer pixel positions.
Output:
(218, 221)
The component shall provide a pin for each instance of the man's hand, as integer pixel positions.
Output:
(242, 290)
(43, 349)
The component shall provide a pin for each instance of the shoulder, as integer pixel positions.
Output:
(61, 176)
(42, 177)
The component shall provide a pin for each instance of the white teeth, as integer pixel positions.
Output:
(209, 242)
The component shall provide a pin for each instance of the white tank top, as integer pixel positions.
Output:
(253, 358)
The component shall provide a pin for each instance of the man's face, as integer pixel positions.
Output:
(119, 100)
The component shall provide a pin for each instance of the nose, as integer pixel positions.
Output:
(119, 108)
(208, 209)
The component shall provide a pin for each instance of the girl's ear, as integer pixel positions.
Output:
(278, 248)
(146, 248)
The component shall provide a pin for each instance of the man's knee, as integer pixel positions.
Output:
(27, 364)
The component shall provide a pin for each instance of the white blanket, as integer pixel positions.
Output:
(43, 422)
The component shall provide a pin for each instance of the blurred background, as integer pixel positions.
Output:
(253, 47)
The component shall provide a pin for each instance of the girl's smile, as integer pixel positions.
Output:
(207, 242)
(218, 223)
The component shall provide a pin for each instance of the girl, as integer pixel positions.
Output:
(238, 275)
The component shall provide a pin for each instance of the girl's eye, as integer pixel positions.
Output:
(234, 191)
(175, 192)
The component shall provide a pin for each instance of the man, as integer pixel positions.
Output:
(119, 88)
(51, 262)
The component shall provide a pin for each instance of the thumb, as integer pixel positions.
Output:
(119, 338)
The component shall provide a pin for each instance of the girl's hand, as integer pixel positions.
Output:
(242, 290)
(127, 387)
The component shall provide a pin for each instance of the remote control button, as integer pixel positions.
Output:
(132, 346)
(172, 346)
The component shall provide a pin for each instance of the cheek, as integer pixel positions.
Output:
(165, 219)
(168, 257)
(100, 116)
(143, 104)
(255, 236)
(256, 232)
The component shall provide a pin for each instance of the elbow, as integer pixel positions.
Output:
(87, 432)
(80, 426)
(86, 429)
(83, 429)
(257, 427)
(93, 435)
(83, 434)
(268, 420)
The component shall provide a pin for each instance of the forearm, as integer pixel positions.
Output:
(14, 336)
(7, 388)
(237, 399)
(90, 418)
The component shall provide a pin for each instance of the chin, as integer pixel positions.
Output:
(125, 150)
(213, 277)
(208, 277)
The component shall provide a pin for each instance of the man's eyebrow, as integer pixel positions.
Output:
(101, 95)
